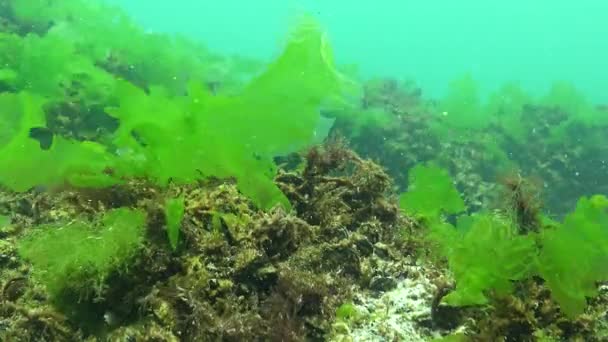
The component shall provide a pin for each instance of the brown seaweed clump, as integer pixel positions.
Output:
(339, 191)
(531, 315)
(522, 202)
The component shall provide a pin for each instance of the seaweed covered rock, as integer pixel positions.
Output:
(339, 190)
(74, 258)
(236, 273)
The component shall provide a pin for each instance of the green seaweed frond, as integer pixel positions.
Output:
(174, 214)
(431, 192)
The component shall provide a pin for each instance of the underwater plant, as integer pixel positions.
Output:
(522, 202)
(231, 136)
(574, 256)
(66, 161)
(74, 258)
(161, 136)
(431, 192)
(487, 252)
(461, 109)
(174, 214)
(558, 137)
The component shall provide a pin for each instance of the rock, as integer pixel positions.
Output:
(382, 283)
(382, 250)
(364, 246)
(446, 317)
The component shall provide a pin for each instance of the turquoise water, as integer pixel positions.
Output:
(431, 42)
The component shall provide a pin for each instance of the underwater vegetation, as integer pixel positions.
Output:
(556, 139)
(160, 135)
(492, 257)
(487, 251)
(152, 190)
(74, 261)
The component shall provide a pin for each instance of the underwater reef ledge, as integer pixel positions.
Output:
(237, 274)
(345, 265)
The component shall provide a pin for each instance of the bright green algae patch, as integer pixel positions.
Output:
(574, 257)
(431, 192)
(78, 256)
(487, 252)
(174, 214)
(26, 164)
(231, 136)
(487, 255)
(163, 136)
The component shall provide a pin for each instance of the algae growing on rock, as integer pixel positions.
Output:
(145, 195)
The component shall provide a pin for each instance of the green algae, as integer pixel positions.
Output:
(78, 256)
(431, 192)
(174, 214)
(162, 134)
